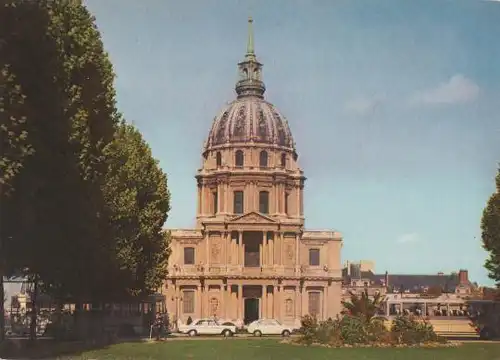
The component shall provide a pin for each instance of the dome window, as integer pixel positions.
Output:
(283, 160)
(263, 159)
(218, 159)
(238, 158)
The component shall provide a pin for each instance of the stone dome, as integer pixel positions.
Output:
(250, 120)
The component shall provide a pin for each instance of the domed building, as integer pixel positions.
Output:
(249, 256)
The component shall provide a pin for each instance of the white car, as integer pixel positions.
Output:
(207, 327)
(268, 327)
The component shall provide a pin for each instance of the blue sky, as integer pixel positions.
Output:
(394, 106)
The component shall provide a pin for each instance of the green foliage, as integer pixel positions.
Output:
(408, 330)
(14, 147)
(490, 227)
(138, 200)
(309, 329)
(363, 305)
(57, 227)
(353, 329)
(356, 330)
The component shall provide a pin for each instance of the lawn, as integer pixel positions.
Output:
(271, 349)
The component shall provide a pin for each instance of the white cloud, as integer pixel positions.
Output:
(458, 89)
(364, 105)
(408, 238)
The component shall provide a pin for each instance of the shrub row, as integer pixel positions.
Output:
(357, 330)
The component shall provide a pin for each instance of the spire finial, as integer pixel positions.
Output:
(250, 82)
(250, 48)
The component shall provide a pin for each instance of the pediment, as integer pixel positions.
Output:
(253, 217)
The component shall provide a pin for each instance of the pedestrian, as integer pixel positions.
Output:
(158, 325)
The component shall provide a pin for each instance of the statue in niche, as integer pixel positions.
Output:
(240, 122)
(289, 307)
(214, 306)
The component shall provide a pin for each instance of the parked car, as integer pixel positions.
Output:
(268, 327)
(207, 327)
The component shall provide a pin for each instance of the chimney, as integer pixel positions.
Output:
(463, 277)
(387, 279)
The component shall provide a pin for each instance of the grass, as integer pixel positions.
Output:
(273, 350)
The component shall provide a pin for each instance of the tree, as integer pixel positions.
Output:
(138, 198)
(54, 224)
(14, 148)
(363, 306)
(490, 228)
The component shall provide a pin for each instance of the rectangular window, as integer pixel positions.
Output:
(238, 202)
(314, 257)
(286, 203)
(188, 302)
(314, 303)
(215, 196)
(264, 202)
(188, 256)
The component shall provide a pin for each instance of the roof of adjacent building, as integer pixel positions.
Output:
(402, 282)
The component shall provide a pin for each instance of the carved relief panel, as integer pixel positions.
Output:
(215, 248)
(289, 250)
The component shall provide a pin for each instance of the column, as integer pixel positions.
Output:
(276, 303)
(220, 204)
(198, 208)
(303, 293)
(224, 303)
(226, 198)
(265, 255)
(264, 302)
(239, 307)
(198, 301)
(276, 191)
(241, 249)
(226, 238)
(280, 252)
(297, 248)
(297, 197)
(207, 251)
(325, 302)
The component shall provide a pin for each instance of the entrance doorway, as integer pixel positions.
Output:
(251, 310)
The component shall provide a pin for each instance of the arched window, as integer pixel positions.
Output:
(283, 160)
(238, 158)
(263, 158)
(264, 202)
(218, 159)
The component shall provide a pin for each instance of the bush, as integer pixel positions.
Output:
(308, 329)
(357, 330)
(407, 330)
(329, 332)
(353, 330)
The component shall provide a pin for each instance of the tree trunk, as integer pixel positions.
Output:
(34, 309)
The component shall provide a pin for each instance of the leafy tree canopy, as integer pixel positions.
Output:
(138, 199)
(490, 227)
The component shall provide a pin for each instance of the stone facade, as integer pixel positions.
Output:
(250, 256)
